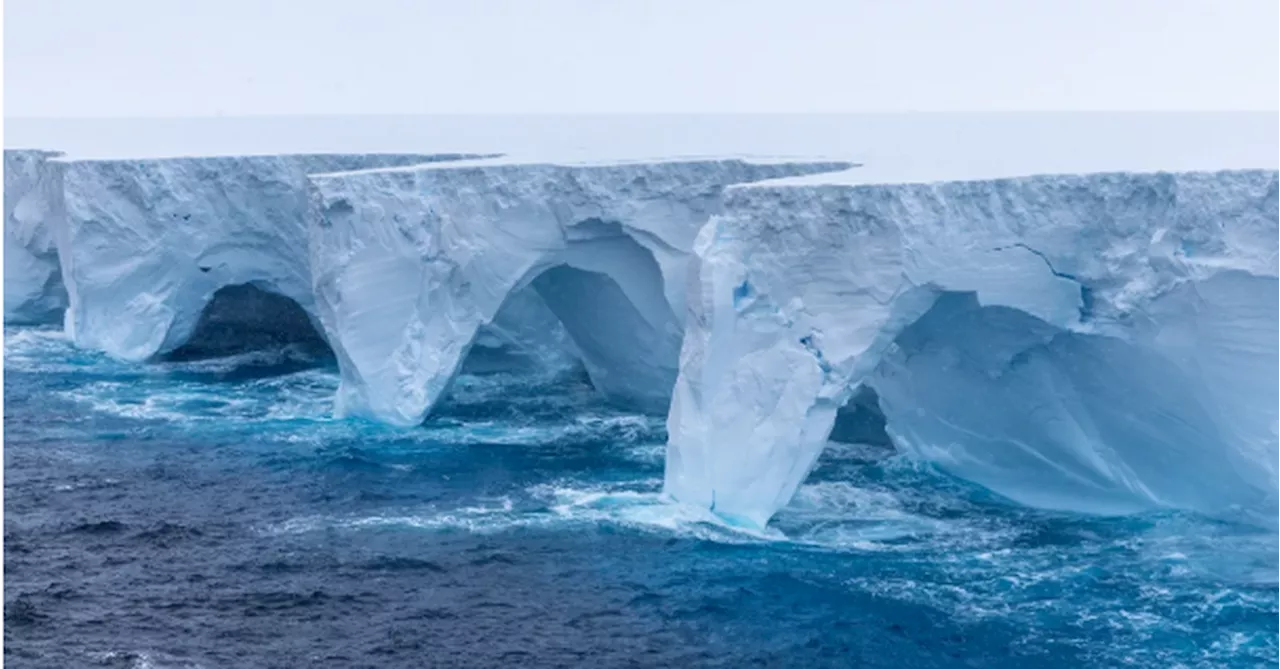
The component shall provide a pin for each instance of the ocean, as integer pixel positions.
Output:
(212, 513)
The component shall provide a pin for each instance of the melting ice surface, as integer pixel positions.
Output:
(212, 513)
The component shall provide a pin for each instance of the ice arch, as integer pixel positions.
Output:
(144, 245)
(608, 294)
(411, 262)
(1097, 343)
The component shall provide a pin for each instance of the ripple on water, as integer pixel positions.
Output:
(512, 457)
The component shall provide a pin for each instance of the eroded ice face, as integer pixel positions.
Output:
(1096, 343)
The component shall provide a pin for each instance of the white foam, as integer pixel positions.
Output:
(834, 517)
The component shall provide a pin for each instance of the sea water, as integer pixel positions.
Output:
(213, 513)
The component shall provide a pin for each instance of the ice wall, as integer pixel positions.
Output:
(144, 244)
(410, 262)
(33, 290)
(1100, 342)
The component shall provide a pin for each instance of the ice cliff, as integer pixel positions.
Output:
(1102, 343)
(410, 262)
(33, 290)
(146, 244)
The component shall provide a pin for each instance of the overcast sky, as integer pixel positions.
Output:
(242, 57)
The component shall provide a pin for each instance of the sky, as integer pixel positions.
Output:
(182, 58)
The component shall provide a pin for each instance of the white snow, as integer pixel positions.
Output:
(33, 291)
(410, 262)
(1100, 343)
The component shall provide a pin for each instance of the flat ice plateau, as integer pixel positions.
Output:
(1084, 319)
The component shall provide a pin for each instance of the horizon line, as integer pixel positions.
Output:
(961, 112)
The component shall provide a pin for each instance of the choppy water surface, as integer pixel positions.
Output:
(213, 514)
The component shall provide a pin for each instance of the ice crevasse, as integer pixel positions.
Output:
(1103, 343)
(411, 262)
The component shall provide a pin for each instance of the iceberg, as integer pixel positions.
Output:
(1101, 343)
(33, 290)
(411, 262)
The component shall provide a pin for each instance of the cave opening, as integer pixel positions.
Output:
(244, 318)
(571, 337)
(619, 322)
(598, 307)
(861, 421)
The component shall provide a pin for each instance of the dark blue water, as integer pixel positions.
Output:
(212, 514)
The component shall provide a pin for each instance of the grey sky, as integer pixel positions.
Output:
(238, 57)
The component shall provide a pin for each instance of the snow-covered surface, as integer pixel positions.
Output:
(1101, 342)
(145, 244)
(893, 147)
(33, 290)
(410, 262)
